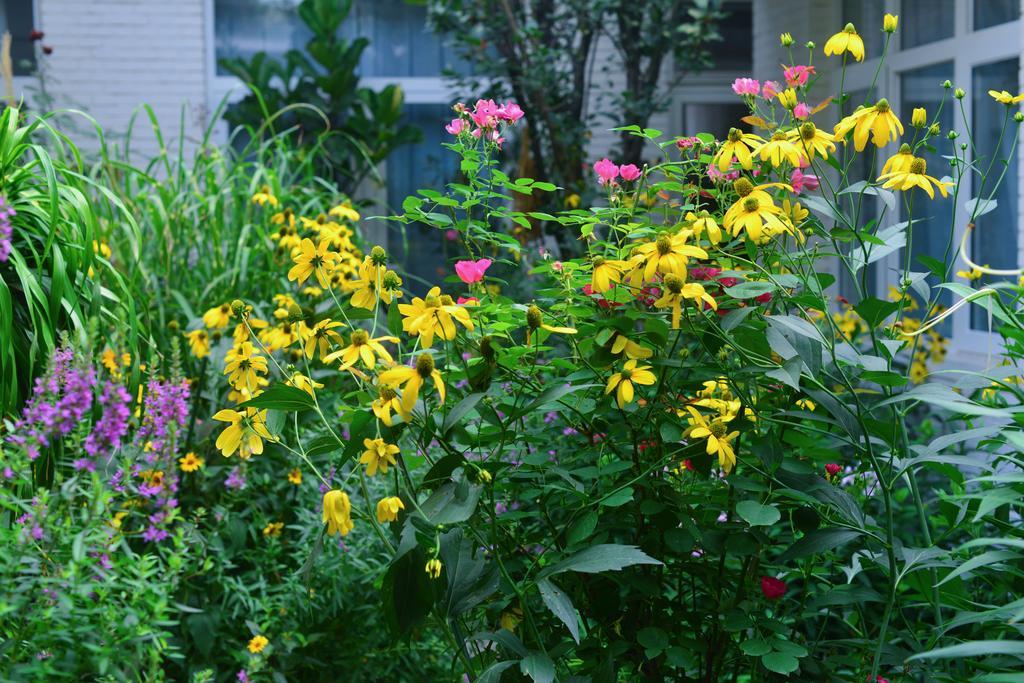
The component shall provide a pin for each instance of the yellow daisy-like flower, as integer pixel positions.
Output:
(281, 336)
(435, 314)
(622, 382)
(387, 401)
(375, 284)
(796, 213)
(740, 145)
(190, 463)
(622, 344)
(719, 438)
(756, 216)
(337, 513)
(273, 530)
(878, 121)
(265, 197)
(316, 260)
(1004, 97)
(606, 273)
(307, 384)
(676, 290)
(702, 223)
(915, 176)
(378, 455)
(813, 141)
(362, 347)
(780, 150)
(668, 254)
(295, 476)
(433, 568)
(846, 40)
(345, 211)
(387, 509)
(535, 321)
(900, 161)
(217, 317)
(257, 643)
(411, 380)
(244, 434)
(243, 366)
(972, 274)
(198, 343)
(320, 337)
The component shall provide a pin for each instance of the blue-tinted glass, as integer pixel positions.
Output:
(733, 52)
(244, 27)
(925, 21)
(423, 165)
(866, 17)
(994, 239)
(932, 231)
(16, 17)
(994, 12)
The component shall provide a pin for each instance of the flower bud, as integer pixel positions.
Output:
(947, 84)
(1018, 117)
(294, 313)
(173, 325)
(534, 318)
(378, 256)
(934, 130)
(952, 135)
(811, 45)
(890, 22)
(237, 307)
(959, 93)
(786, 39)
(919, 118)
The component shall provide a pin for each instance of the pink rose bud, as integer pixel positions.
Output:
(772, 588)
(801, 111)
(456, 126)
(606, 171)
(472, 271)
(629, 172)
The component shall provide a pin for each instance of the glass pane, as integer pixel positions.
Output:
(994, 12)
(422, 253)
(994, 239)
(932, 231)
(862, 209)
(925, 21)
(734, 52)
(16, 17)
(866, 17)
(714, 118)
(245, 27)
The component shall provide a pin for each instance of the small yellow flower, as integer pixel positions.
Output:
(719, 438)
(320, 337)
(316, 260)
(362, 347)
(411, 380)
(257, 643)
(890, 22)
(879, 122)
(217, 317)
(245, 432)
(622, 382)
(606, 274)
(621, 343)
(433, 568)
(787, 98)
(337, 513)
(900, 161)
(345, 211)
(535, 321)
(295, 476)
(387, 509)
(265, 197)
(434, 315)
(378, 454)
(273, 530)
(919, 117)
(667, 254)
(915, 176)
(972, 274)
(1004, 97)
(740, 145)
(572, 201)
(846, 40)
(780, 150)
(675, 291)
(191, 462)
(243, 365)
(813, 141)
(387, 401)
(307, 384)
(198, 343)
(702, 223)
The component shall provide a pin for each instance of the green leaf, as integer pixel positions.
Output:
(748, 290)
(654, 640)
(618, 498)
(548, 396)
(492, 674)
(974, 648)
(539, 667)
(780, 663)
(470, 579)
(560, 605)
(757, 514)
(819, 540)
(452, 502)
(279, 396)
(875, 310)
(463, 408)
(582, 528)
(604, 557)
(755, 648)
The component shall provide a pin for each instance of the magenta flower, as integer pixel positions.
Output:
(801, 111)
(770, 89)
(746, 86)
(772, 588)
(472, 271)
(797, 75)
(802, 181)
(629, 172)
(511, 112)
(457, 126)
(485, 113)
(606, 171)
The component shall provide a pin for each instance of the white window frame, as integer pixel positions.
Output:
(967, 49)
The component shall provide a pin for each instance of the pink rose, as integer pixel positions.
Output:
(746, 86)
(606, 171)
(485, 114)
(629, 172)
(472, 271)
(456, 126)
(511, 112)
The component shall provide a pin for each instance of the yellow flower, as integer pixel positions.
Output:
(919, 117)
(198, 343)
(668, 254)
(436, 314)
(786, 39)
(265, 197)
(387, 400)
(257, 643)
(915, 176)
(313, 259)
(813, 141)
(217, 317)
(796, 213)
(281, 336)
(846, 40)
(806, 404)
(387, 509)
(572, 201)
(411, 380)
(972, 274)
(1004, 97)
(740, 145)
(780, 150)
(375, 283)
(345, 211)
(535, 321)
(622, 382)
(433, 568)
(918, 372)
(378, 454)
(243, 365)
(191, 462)
(242, 330)
(788, 99)
(704, 222)
(244, 434)
(890, 22)
(675, 291)
(273, 530)
(362, 347)
(606, 273)
(622, 343)
(878, 121)
(295, 476)
(718, 437)
(755, 215)
(307, 384)
(337, 513)
(320, 337)
(900, 161)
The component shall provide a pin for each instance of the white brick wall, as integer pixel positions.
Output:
(110, 56)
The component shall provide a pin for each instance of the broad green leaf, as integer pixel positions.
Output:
(281, 397)
(538, 667)
(974, 648)
(780, 662)
(819, 541)
(604, 557)
(757, 514)
(560, 605)
(461, 409)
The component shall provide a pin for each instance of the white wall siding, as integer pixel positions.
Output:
(110, 56)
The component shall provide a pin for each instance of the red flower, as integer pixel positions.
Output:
(832, 469)
(704, 273)
(35, 35)
(772, 588)
(688, 465)
(763, 298)
(728, 281)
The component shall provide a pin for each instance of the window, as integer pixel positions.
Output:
(16, 17)
(245, 27)
(865, 15)
(926, 21)
(713, 117)
(732, 53)
(994, 12)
